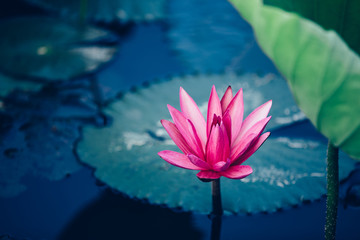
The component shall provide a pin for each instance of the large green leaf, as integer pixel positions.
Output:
(340, 15)
(288, 168)
(323, 73)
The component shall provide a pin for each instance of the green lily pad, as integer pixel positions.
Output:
(287, 169)
(8, 84)
(51, 49)
(107, 10)
(322, 71)
(341, 16)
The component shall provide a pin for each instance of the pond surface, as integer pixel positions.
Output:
(77, 208)
(46, 190)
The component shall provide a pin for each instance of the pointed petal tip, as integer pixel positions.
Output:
(268, 118)
(266, 134)
(182, 91)
(213, 90)
(226, 99)
(164, 122)
(163, 153)
(263, 138)
(169, 106)
(269, 104)
(172, 109)
(240, 91)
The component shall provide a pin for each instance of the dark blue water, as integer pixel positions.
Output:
(79, 207)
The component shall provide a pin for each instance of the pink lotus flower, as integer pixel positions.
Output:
(219, 146)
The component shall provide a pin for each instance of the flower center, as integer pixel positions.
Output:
(216, 120)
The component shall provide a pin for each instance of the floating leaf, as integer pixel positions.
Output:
(341, 16)
(51, 49)
(8, 85)
(64, 100)
(209, 40)
(323, 73)
(287, 169)
(107, 10)
(38, 131)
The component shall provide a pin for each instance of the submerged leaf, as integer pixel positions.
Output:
(107, 10)
(209, 40)
(38, 131)
(287, 169)
(51, 49)
(8, 85)
(323, 73)
(156, 61)
(40, 149)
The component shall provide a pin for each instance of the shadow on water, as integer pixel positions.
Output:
(113, 216)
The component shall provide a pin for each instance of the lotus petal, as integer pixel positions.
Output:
(198, 162)
(214, 107)
(226, 99)
(192, 112)
(208, 174)
(178, 159)
(237, 172)
(176, 136)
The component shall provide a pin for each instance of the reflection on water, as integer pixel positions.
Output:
(350, 189)
(114, 216)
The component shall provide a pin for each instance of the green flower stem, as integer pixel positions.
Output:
(332, 191)
(217, 210)
(215, 227)
(216, 198)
